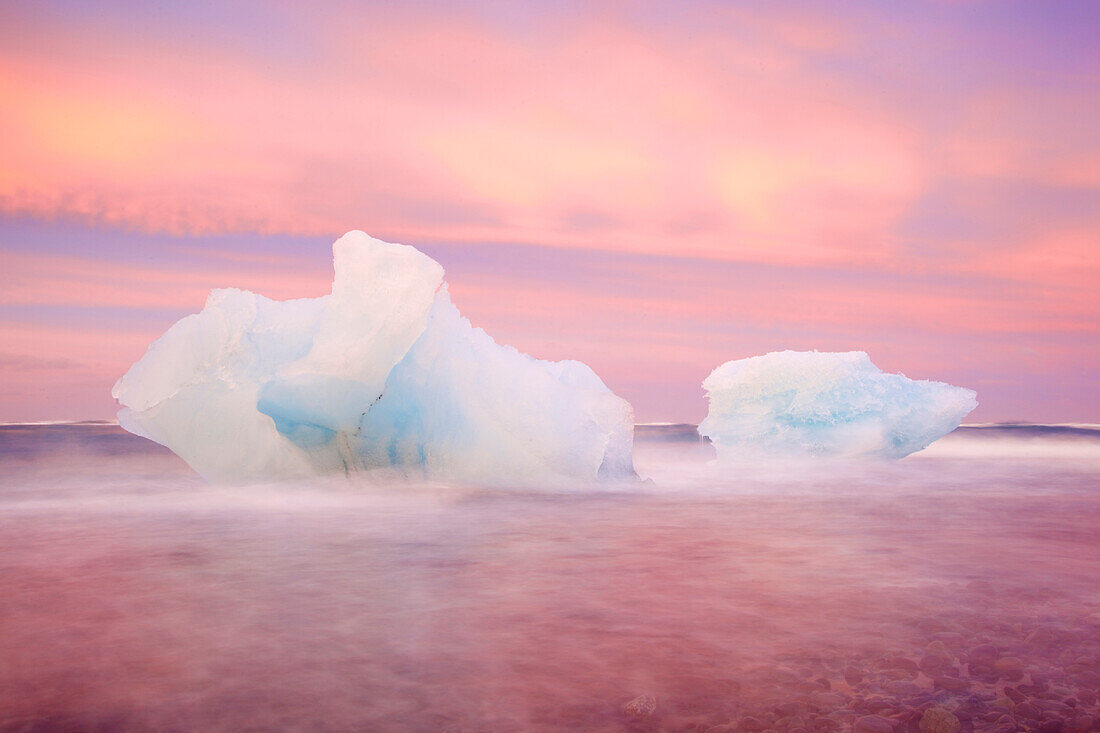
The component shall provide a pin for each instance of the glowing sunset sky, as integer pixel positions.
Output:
(651, 188)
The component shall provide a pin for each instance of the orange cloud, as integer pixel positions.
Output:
(451, 130)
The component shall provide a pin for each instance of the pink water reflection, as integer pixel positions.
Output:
(139, 599)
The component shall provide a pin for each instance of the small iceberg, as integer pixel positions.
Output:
(826, 404)
(384, 373)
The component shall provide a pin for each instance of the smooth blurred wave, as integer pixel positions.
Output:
(138, 597)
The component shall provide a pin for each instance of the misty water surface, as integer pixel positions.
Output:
(137, 597)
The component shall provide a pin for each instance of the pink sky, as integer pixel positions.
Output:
(651, 188)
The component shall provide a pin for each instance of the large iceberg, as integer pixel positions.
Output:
(832, 404)
(384, 373)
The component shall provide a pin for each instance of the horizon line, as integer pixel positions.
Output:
(1008, 423)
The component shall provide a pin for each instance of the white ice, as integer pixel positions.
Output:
(825, 404)
(385, 373)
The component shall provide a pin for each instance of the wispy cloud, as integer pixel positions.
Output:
(919, 181)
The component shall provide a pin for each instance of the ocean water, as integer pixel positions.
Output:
(779, 597)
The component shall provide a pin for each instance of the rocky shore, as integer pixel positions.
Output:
(958, 674)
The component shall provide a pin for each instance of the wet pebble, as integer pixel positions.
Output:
(954, 684)
(1047, 634)
(1028, 711)
(872, 724)
(937, 720)
(933, 664)
(900, 662)
(872, 705)
(791, 709)
(750, 724)
(854, 675)
(789, 722)
(983, 654)
(1078, 724)
(950, 639)
(939, 649)
(827, 700)
(902, 688)
(641, 707)
(1053, 706)
(1010, 667)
